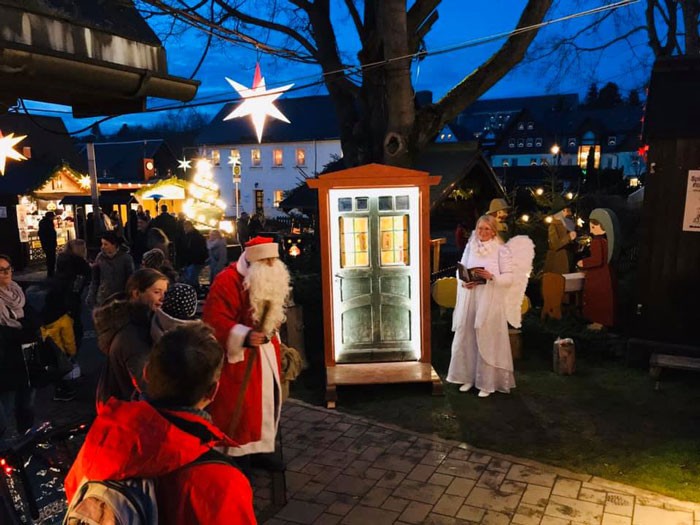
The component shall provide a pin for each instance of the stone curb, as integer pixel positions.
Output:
(646, 497)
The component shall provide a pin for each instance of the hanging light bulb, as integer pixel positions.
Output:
(539, 191)
(525, 217)
(548, 219)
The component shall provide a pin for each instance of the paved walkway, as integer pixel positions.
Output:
(348, 470)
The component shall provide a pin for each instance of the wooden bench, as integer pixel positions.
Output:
(657, 362)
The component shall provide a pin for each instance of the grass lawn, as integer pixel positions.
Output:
(606, 420)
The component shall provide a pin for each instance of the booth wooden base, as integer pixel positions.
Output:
(379, 374)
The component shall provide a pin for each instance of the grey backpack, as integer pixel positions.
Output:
(125, 502)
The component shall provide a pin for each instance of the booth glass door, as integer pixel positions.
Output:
(376, 267)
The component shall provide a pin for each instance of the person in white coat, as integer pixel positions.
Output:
(481, 354)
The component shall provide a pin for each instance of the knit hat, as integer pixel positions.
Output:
(261, 248)
(180, 301)
(153, 258)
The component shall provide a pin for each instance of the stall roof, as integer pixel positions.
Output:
(107, 198)
(49, 145)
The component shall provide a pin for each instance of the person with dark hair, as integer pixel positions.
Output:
(111, 269)
(48, 239)
(216, 245)
(15, 394)
(166, 223)
(123, 328)
(194, 254)
(139, 239)
(169, 437)
(156, 238)
(156, 259)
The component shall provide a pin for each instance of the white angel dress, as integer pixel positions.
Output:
(481, 354)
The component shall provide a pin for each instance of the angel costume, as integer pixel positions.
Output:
(481, 353)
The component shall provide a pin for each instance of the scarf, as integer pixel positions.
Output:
(11, 305)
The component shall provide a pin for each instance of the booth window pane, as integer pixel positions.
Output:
(354, 250)
(361, 203)
(345, 204)
(402, 202)
(393, 240)
(386, 203)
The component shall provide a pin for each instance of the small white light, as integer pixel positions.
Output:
(539, 191)
(525, 217)
(548, 219)
(569, 195)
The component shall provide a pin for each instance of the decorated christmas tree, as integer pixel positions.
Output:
(204, 205)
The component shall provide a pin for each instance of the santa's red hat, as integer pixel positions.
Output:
(261, 248)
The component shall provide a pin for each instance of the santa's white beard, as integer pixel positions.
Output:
(267, 284)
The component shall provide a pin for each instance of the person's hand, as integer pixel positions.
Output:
(572, 235)
(255, 338)
(484, 273)
(470, 285)
(579, 264)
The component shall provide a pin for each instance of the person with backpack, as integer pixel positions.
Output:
(157, 455)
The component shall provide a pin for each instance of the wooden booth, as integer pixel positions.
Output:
(669, 280)
(375, 241)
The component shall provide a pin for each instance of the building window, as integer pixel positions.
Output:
(521, 126)
(530, 126)
(215, 157)
(584, 152)
(521, 143)
(255, 157)
(259, 201)
(533, 162)
(354, 249)
(393, 240)
(538, 142)
(528, 143)
(301, 157)
(235, 158)
(279, 197)
(511, 143)
(505, 163)
(27, 151)
(277, 158)
(572, 142)
(612, 141)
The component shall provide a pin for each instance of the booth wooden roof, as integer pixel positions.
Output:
(372, 175)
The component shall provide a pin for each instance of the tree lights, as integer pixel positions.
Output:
(204, 204)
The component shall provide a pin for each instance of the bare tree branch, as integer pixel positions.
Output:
(355, 15)
(432, 118)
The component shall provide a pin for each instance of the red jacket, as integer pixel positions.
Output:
(132, 439)
(227, 310)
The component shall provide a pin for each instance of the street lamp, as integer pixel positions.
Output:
(235, 163)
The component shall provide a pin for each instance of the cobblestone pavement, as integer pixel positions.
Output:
(344, 469)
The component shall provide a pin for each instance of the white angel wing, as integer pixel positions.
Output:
(522, 250)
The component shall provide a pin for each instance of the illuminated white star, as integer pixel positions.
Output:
(7, 149)
(258, 102)
(184, 164)
(234, 160)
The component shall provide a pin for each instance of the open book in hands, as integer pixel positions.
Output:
(468, 275)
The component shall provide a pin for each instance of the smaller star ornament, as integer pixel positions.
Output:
(7, 149)
(185, 164)
(258, 102)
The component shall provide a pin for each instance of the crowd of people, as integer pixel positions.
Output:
(201, 397)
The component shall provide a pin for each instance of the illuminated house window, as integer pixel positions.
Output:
(584, 151)
(354, 250)
(236, 156)
(301, 157)
(27, 151)
(215, 157)
(255, 157)
(277, 158)
(279, 197)
(393, 240)
(511, 143)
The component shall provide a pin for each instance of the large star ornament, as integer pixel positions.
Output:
(258, 102)
(7, 149)
(185, 164)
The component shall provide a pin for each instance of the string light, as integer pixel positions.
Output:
(204, 204)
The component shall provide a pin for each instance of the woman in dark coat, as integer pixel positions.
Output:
(123, 329)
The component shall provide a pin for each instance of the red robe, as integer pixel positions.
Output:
(227, 310)
(131, 439)
(598, 291)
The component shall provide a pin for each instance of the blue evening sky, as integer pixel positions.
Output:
(460, 21)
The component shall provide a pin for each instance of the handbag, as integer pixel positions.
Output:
(44, 362)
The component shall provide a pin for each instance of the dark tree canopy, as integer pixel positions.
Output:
(372, 91)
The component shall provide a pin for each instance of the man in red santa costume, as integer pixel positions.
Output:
(245, 306)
